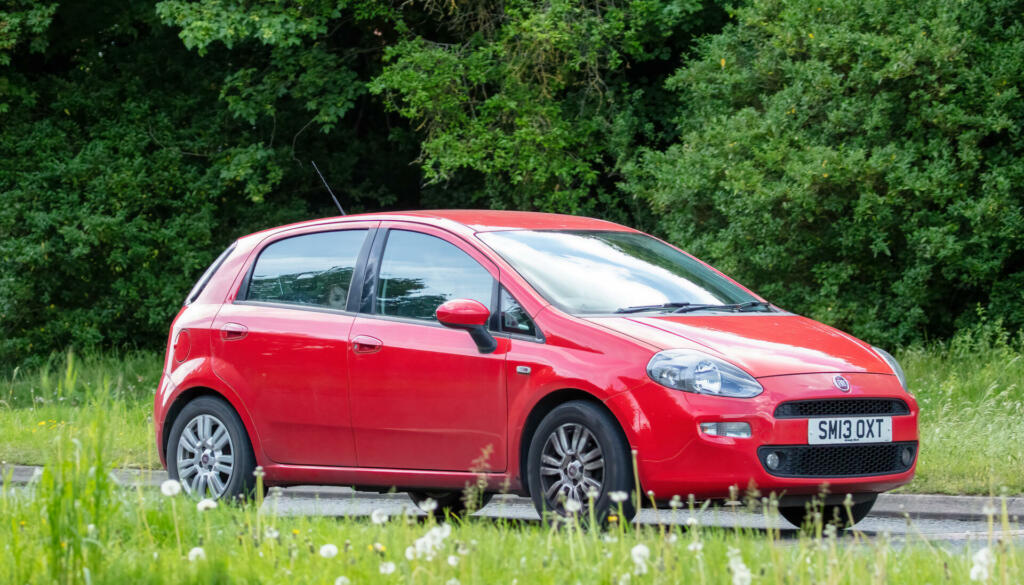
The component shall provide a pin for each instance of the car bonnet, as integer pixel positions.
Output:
(763, 344)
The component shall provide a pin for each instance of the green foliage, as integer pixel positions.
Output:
(858, 162)
(854, 161)
(542, 99)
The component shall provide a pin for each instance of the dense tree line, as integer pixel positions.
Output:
(856, 161)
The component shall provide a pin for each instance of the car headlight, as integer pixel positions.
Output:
(895, 365)
(694, 371)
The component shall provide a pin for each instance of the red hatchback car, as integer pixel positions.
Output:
(422, 350)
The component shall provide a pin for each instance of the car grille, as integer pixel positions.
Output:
(841, 407)
(840, 460)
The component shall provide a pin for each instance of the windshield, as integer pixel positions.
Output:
(607, 272)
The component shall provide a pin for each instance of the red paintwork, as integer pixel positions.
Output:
(460, 312)
(345, 398)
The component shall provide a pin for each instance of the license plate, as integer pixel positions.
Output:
(856, 429)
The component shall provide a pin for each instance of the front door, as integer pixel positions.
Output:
(283, 346)
(423, 396)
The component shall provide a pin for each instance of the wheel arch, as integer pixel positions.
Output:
(541, 409)
(188, 395)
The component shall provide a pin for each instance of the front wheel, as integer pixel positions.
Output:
(830, 514)
(579, 453)
(208, 451)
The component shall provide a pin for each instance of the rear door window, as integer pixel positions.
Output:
(310, 270)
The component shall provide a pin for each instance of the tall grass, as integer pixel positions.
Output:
(75, 525)
(36, 405)
(971, 393)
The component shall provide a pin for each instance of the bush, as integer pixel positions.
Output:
(859, 162)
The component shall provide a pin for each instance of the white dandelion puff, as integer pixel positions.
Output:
(740, 572)
(453, 560)
(271, 533)
(618, 497)
(170, 488)
(328, 551)
(640, 555)
(379, 516)
(572, 506)
(428, 505)
(387, 567)
(205, 504)
(452, 581)
(984, 562)
(343, 580)
(695, 546)
(196, 554)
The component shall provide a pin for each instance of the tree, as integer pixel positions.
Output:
(859, 162)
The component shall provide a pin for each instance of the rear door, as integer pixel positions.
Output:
(283, 343)
(423, 396)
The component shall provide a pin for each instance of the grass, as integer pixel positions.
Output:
(76, 526)
(35, 406)
(970, 389)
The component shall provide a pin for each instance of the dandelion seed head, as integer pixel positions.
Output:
(387, 567)
(170, 488)
(343, 580)
(328, 551)
(379, 516)
(428, 505)
(640, 553)
(695, 546)
(618, 496)
(271, 533)
(572, 506)
(196, 554)
(205, 504)
(453, 560)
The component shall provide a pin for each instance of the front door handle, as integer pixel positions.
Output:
(233, 331)
(366, 344)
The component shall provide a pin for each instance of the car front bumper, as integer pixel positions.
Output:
(674, 457)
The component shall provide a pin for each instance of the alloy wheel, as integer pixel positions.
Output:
(205, 456)
(572, 464)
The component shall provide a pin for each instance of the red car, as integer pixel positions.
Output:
(424, 350)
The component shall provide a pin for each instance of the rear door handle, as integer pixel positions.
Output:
(233, 331)
(366, 344)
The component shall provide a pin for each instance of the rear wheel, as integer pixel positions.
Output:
(450, 502)
(831, 514)
(577, 453)
(208, 451)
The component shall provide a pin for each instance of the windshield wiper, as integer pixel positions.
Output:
(642, 308)
(733, 307)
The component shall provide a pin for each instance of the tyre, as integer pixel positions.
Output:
(448, 502)
(578, 450)
(209, 452)
(837, 514)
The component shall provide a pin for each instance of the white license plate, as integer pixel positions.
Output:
(853, 429)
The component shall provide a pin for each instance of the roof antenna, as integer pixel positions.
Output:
(328, 187)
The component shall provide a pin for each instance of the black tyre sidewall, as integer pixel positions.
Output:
(796, 515)
(242, 482)
(452, 502)
(618, 472)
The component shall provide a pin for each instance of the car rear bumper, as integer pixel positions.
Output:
(675, 458)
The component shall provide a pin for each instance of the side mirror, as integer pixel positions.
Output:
(471, 316)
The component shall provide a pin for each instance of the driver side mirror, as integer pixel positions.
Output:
(471, 316)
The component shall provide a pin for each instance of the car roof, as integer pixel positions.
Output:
(468, 220)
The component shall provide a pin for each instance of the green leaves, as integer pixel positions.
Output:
(839, 157)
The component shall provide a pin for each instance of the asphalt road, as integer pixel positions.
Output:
(954, 519)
